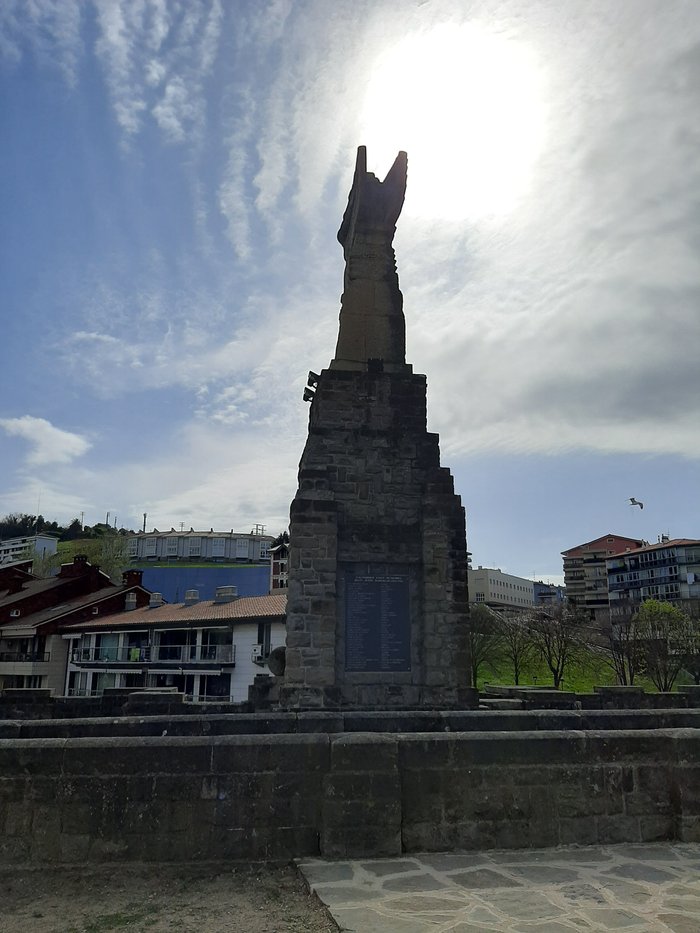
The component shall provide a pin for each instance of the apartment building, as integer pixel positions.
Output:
(215, 546)
(549, 594)
(500, 590)
(668, 570)
(32, 611)
(585, 573)
(26, 547)
(210, 650)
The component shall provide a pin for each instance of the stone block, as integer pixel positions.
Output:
(164, 755)
(688, 828)
(657, 828)
(618, 829)
(17, 818)
(15, 850)
(364, 753)
(578, 830)
(74, 848)
(653, 791)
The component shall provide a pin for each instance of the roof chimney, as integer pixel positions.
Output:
(132, 577)
(155, 600)
(191, 597)
(226, 594)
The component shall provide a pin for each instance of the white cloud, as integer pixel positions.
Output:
(51, 28)
(156, 58)
(49, 444)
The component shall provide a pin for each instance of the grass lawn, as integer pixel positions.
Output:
(591, 670)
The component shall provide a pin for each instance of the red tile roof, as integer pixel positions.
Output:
(603, 543)
(239, 610)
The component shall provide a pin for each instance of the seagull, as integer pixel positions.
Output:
(633, 501)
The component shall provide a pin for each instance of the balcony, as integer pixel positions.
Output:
(156, 654)
(34, 657)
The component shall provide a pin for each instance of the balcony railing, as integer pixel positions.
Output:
(154, 654)
(33, 656)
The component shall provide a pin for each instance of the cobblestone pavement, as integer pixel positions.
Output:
(593, 888)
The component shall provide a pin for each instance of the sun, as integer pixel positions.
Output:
(467, 106)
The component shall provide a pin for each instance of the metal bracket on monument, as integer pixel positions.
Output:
(311, 384)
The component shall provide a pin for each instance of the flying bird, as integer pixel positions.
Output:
(633, 501)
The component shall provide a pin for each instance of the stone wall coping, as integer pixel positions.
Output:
(349, 723)
(165, 741)
(358, 738)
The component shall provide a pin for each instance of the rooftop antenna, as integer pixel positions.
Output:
(144, 521)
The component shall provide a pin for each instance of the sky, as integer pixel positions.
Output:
(173, 175)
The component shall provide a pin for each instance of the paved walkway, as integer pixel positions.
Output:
(597, 888)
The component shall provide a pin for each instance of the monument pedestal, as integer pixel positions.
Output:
(377, 599)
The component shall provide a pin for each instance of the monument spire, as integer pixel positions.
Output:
(372, 328)
(377, 604)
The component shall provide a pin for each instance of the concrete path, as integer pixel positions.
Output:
(594, 888)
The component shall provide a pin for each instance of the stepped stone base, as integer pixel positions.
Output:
(377, 600)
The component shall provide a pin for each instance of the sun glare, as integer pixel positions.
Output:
(468, 108)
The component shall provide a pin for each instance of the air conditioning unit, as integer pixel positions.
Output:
(258, 654)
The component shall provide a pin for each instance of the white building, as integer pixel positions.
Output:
(27, 547)
(500, 590)
(216, 546)
(210, 650)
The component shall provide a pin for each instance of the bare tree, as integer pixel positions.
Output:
(557, 635)
(516, 642)
(484, 639)
(623, 649)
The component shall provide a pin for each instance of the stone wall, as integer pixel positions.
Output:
(361, 795)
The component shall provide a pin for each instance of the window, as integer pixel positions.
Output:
(133, 547)
(171, 547)
(264, 636)
(218, 547)
(194, 547)
(151, 544)
(479, 597)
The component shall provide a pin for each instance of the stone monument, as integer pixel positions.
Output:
(377, 602)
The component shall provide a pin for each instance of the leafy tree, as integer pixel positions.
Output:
(692, 660)
(281, 539)
(18, 524)
(484, 638)
(558, 636)
(46, 565)
(667, 637)
(110, 553)
(73, 531)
